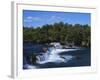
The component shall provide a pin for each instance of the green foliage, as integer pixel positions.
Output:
(59, 32)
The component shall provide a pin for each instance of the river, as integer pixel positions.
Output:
(54, 58)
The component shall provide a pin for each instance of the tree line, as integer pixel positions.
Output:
(64, 33)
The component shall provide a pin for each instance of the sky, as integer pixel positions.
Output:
(33, 18)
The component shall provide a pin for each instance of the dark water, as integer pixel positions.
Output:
(82, 57)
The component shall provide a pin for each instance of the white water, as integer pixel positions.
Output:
(53, 56)
(29, 66)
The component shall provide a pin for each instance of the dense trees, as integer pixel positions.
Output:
(59, 32)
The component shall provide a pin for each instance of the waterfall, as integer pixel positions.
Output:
(52, 55)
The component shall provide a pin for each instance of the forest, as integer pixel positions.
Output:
(64, 33)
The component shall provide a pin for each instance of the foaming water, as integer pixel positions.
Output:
(28, 66)
(53, 56)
